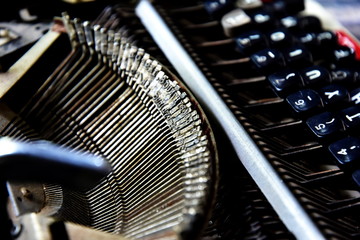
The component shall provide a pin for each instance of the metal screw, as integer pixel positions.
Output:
(16, 230)
(26, 193)
(4, 33)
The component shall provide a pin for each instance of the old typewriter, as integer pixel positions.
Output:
(209, 119)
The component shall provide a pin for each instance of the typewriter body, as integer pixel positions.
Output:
(220, 119)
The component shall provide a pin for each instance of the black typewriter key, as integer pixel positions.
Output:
(309, 24)
(351, 117)
(315, 75)
(334, 94)
(289, 22)
(284, 8)
(308, 39)
(234, 21)
(305, 101)
(320, 44)
(262, 19)
(249, 5)
(346, 151)
(298, 56)
(345, 76)
(268, 59)
(326, 39)
(343, 54)
(355, 96)
(276, 7)
(285, 81)
(301, 24)
(217, 8)
(280, 38)
(251, 42)
(325, 125)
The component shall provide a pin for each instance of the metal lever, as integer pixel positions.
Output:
(46, 162)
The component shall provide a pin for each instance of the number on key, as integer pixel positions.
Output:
(325, 125)
(346, 151)
(305, 101)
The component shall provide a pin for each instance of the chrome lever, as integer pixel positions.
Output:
(43, 161)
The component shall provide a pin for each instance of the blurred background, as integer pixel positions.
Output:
(346, 11)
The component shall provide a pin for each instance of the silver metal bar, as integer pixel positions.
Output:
(278, 194)
(43, 161)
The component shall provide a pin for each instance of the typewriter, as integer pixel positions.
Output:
(209, 119)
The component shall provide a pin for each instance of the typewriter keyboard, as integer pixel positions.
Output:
(294, 85)
(314, 71)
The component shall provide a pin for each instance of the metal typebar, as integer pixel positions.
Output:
(278, 194)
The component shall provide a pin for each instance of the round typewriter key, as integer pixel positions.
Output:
(289, 22)
(351, 117)
(303, 101)
(325, 125)
(284, 8)
(217, 8)
(248, 4)
(344, 75)
(316, 75)
(250, 42)
(334, 94)
(262, 19)
(268, 59)
(280, 38)
(298, 56)
(285, 81)
(346, 151)
(326, 39)
(308, 39)
(343, 55)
